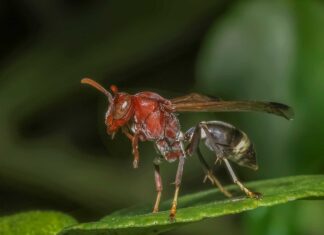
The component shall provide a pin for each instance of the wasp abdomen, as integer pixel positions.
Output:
(233, 143)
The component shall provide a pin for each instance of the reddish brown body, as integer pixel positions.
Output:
(154, 120)
(148, 117)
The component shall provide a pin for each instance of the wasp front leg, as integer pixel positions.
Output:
(134, 140)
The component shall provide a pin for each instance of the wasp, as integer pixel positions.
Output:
(147, 116)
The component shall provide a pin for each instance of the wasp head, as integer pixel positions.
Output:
(120, 106)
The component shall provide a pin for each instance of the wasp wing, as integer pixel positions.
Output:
(195, 102)
(193, 97)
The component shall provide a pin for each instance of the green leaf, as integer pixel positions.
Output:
(203, 205)
(35, 223)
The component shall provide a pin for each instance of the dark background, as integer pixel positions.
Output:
(54, 152)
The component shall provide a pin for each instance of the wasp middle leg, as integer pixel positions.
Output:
(158, 184)
(177, 182)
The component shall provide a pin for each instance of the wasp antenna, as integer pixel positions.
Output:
(96, 85)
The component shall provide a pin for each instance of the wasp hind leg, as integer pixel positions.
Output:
(209, 174)
(249, 193)
(194, 147)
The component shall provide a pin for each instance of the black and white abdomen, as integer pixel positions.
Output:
(231, 142)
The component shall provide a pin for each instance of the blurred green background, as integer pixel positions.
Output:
(54, 152)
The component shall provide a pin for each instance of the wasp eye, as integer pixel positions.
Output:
(122, 106)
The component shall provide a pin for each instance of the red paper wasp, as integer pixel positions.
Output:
(146, 116)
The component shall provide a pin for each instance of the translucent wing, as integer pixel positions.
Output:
(193, 97)
(195, 102)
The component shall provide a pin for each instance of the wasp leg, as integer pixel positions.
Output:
(220, 155)
(194, 146)
(216, 148)
(249, 193)
(134, 140)
(173, 209)
(158, 186)
(209, 174)
(135, 151)
(194, 141)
